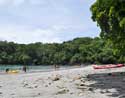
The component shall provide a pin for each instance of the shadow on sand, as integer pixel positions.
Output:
(111, 84)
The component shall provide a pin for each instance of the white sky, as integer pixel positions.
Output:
(47, 21)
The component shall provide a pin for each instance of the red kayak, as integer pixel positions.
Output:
(107, 66)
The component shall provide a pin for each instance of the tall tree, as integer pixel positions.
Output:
(110, 17)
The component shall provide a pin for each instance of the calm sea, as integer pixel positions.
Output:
(31, 68)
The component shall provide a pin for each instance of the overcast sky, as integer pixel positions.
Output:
(47, 21)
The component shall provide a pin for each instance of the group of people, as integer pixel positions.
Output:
(24, 69)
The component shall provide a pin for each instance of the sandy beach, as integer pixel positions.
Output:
(71, 83)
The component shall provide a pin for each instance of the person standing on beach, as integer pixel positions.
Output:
(7, 70)
(24, 68)
(56, 67)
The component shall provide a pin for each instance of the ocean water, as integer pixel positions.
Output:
(35, 68)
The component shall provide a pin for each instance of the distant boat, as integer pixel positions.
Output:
(107, 66)
(13, 71)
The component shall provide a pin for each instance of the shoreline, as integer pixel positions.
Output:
(46, 70)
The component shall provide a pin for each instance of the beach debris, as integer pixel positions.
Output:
(77, 82)
(60, 84)
(90, 89)
(36, 86)
(39, 93)
(83, 80)
(88, 76)
(31, 86)
(81, 86)
(107, 91)
(111, 90)
(25, 85)
(50, 83)
(62, 91)
(56, 77)
(60, 87)
(39, 80)
(77, 77)
(46, 85)
(71, 93)
(80, 94)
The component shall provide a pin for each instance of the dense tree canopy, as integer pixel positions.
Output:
(110, 16)
(78, 51)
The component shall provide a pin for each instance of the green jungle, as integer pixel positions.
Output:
(109, 47)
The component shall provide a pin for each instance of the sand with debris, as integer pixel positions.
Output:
(72, 83)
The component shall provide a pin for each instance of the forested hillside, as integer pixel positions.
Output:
(78, 51)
